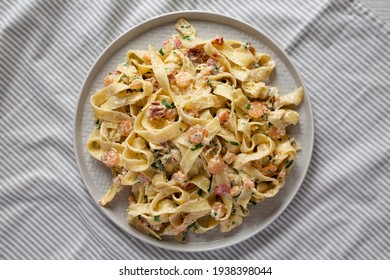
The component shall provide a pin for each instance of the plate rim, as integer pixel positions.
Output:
(230, 21)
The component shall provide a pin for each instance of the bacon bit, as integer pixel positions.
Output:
(143, 222)
(211, 62)
(110, 157)
(125, 128)
(166, 42)
(196, 54)
(154, 83)
(143, 179)
(117, 72)
(269, 170)
(156, 110)
(235, 191)
(216, 55)
(252, 49)
(223, 116)
(217, 40)
(177, 42)
(216, 165)
(196, 134)
(117, 181)
(222, 189)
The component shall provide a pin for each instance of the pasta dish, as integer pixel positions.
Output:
(195, 133)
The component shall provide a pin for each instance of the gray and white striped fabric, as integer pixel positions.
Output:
(342, 210)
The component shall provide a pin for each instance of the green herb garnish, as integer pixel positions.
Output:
(187, 38)
(169, 106)
(289, 163)
(269, 123)
(158, 165)
(247, 44)
(125, 64)
(185, 26)
(233, 143)
(197, 146)
(161, 51)
(156, 218)
(248, 106)
(98, 124)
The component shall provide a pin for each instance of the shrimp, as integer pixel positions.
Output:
(156, 110)
(180, 177)
(218, 210)
(196, 134)
(249, 184)
(235, 191)
(216, 165)
(223, 116)
(277, 131)
(111, 157)
(170, 114)
(257, 109)
(124, 127)
(109, 79)
(177, 43)
(269, 170)
(183, 79)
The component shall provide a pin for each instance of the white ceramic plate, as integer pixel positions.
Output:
(155, 31)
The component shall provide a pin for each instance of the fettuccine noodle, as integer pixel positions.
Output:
(195, 132)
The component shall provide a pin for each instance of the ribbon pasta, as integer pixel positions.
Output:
(195, 132)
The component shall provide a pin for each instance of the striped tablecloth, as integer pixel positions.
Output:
(342, 210)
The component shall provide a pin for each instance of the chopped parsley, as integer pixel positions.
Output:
(185, 26)
(161, 51)
(181, 129)
(248, 106)
(209, 189)
(247, 44)
(233, 143)
(125, 64)
(234, 222)
(269, 123)
(187, 38)
(289, 163)
(98, 124)
(156, 218)
(197, 146)
(158, 165)
(169, 106)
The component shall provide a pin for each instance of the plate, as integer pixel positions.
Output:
(155, 31)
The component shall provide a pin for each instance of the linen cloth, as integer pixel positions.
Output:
(342, 210)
